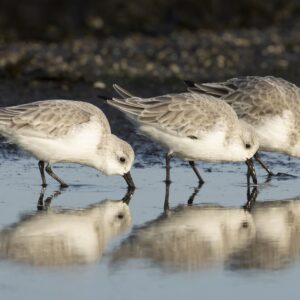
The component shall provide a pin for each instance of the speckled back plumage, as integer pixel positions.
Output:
(180, 114)
(254, 97)
(258, 99)
(51, 118)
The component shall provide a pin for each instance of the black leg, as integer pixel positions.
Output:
(54, 176)
(166, 203)
(257, 157)
(192, 164)
(251, 198)
(168, 159)
(190, 200)
(41, 167)
(168, 182)
(192, 197)
(248, 175)
(44, 205)
(40, 205)
(251, 172)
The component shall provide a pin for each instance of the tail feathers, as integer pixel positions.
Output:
(122, 92)
(6, 115)
(130, 104)
(189, 83)
(194, 87)
(213, 89)
(132, 108)
(113, 101)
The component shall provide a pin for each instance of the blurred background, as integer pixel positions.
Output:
(55, 20)
(94, 41)
(78, 49)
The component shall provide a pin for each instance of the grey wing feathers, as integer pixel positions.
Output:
(253, 97)
(44, 118)
(245, 87)
(122, 92)
(213, 89)
(181, 114)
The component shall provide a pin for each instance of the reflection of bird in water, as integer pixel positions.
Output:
(65, 237)
(251, 197)
(189, 237)
(277, 239)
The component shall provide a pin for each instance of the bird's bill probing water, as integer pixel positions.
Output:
(251, 171)
(257, 157)
(126, 199)
(130, 188)
(128, 179)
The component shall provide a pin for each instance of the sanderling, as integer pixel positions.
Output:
(277, 225)
(271, 105)
(192, 127)
(65, 237)
(67, 131)
(189, 237)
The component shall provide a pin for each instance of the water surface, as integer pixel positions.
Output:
(88, 243)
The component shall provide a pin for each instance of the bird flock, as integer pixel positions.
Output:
(223, 121)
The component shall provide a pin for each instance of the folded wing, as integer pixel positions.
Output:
(187, 115)
(252, 97)
(44, 118)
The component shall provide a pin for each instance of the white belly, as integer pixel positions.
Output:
(78, 146)
(211, 147)
(274, 133)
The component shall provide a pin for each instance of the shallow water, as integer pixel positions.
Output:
(80, 245)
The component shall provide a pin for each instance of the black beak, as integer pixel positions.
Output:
(129, 181)
(126, 199)
(251, 198)
(251, 171)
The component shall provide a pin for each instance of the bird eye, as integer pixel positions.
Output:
(248, 146)
(122, 159)
(245, 224)
(120, 216)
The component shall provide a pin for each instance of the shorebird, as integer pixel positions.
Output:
(189, 238)
(67, 131)
(65, 237)
(271, 105)
(192, 127)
